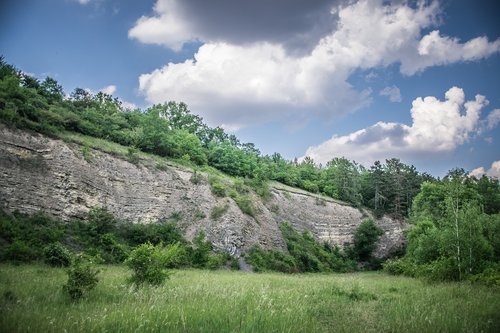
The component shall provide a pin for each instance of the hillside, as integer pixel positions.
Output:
(67, 179)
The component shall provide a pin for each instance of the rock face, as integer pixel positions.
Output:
(38, 173)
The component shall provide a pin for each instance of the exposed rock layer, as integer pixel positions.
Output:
(38, 173)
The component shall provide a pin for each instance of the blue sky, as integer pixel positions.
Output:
(366, 80)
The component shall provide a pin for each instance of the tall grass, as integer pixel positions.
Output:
(31, 299)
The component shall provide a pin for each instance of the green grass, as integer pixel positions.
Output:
(31, 299)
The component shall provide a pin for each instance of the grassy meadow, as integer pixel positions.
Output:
(223, 301)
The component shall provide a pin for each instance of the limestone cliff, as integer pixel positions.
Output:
(38, 173)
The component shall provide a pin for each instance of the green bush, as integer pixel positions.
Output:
(490, 276)
(101, 221)
(82, 278)
(399, 267)
(262, 261)
(245, 204)
(18, 252)
(57, 255)
(365, 240)
(111, 250)
(201, 252)
(176, 256)
(217, 260)
(147, 263)
(218, 211)
(196, 178)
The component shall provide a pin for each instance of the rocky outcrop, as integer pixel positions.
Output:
(38, 173)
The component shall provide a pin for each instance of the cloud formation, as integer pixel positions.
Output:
(296, 24)
(493, 171)
(110, 90)
(393, 93)
(246, 73)
(437, 127)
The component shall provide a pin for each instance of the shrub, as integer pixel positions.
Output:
(133, 155)
(111, 250)
(365, 240)
(217, 260)
(101, 221)
(245, 204)
(399, 267)
(18, 252)
(82, 278)
(490, 276)
(175, 256)
(262, 260)
(217, 187)
(201, 252)
(218, 211)
(196, 178)
(57, 255)
(161, 165)
(147, 264)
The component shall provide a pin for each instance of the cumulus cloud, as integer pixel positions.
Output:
(393, 93)
(493, 171)
(110, 90)
(493, 119)
(434, 49)
(294, 23)
(246, 73)
(437, 127)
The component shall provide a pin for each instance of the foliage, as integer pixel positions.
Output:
(217, 187)
(82, 278)
(218, 211)
(18, 252)
(271, 260)
(201, 252)
(147, 262)
(176, 256)
(365, 240)
(453, 237)
(306, 254)
(57, 255)
(171, 130)
(245, 204)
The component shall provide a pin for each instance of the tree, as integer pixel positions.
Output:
(365, 239)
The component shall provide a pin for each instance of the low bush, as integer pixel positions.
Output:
(18, 252)
(218, 211)
(245, 204)
(82, 278)
(57, 255)
(218, 189)
(147, 263)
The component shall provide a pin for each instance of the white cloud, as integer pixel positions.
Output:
(438, 127)
(168, 27)
(241, 84)
(110, 90)
(493, 172)
(477, 172)
(393, 93)
(434, 49)
(493, 119)
(83, 2)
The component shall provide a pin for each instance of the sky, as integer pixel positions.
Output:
(367, 80)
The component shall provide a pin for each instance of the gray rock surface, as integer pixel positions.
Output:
(38, 173)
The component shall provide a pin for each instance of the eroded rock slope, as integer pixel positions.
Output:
(38, 173)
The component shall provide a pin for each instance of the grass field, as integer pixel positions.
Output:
(222, 301)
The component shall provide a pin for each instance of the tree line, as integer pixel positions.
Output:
(171, 130)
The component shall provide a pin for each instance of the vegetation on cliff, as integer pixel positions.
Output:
(457, 225)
